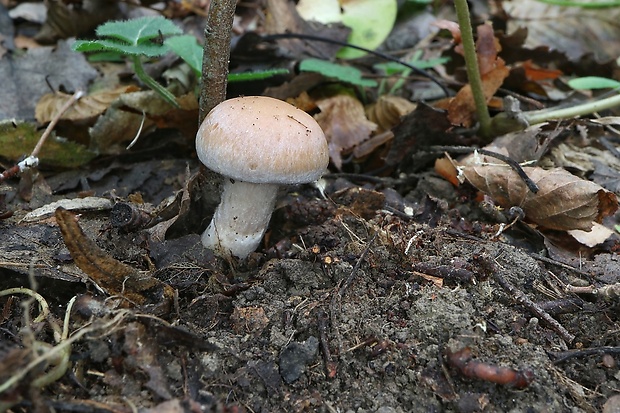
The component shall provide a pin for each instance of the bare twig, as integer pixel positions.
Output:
(216, 55)
(522, 299)
(351, 276)
(33, 160)
(330, 364)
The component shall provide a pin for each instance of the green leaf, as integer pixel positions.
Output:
(344, 73)
(391, 68)
(146, 49)
(593, 82)
(139, 30)
(257, 75)
(188, 49)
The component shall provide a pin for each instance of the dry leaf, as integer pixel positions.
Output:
(86, 108)
(110, 274)
(493, 70)
(344, 122)
(388, 110)
(575, 31)
(596, 236)
(563, 202)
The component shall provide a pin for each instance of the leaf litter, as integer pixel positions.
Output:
(389, 289)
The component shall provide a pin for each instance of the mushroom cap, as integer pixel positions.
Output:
(260, 139)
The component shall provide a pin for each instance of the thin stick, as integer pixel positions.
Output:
(522, 299)
(33, 160)
(351, 276)
(216, 56)
(74, 98)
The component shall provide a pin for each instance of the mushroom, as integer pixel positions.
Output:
(257, 143)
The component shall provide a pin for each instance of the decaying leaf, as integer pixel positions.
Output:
(596, 236)
(493, 71)
(575, 31)
(19, 139)
(86, 108)
(345, 124)
(108, 273)
(387, 111)
(563, 202)
(122, 120)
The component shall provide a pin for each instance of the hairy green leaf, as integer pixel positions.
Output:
(139, 30)
(188, 49)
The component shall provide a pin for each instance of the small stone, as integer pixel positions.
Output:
(296, 356)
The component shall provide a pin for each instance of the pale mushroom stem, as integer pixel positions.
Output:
(241, 218)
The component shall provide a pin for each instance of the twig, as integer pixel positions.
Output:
(522, 299)
(351, 276)
(560, 264)
(33, 160)
(216, 56)
(562, 356)
(330, 364)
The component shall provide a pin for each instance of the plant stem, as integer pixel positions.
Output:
(539, 116)
(216, 56)
(473, 71)
(152, 83)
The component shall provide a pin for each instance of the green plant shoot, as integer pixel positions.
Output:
(135, 38)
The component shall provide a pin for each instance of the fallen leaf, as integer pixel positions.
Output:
(387, 111)
(19, 139)
(86, 108)
(26, 77)
(596, 236)
(114, 277)
(344, 122)
(535, 72)
(493, 71)
(575, 31)
(563, 202)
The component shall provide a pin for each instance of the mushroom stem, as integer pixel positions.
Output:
(241, 218)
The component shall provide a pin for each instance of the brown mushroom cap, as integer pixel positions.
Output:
(261, 140)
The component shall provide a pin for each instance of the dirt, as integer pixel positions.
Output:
(363, 301)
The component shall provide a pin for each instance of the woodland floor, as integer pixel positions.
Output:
(362, 311)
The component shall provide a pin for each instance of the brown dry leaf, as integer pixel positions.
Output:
(108, 273)
(387, 111)
(564, 201)
(576, 31)
(345, 124)
(86, 108)
(493, 70)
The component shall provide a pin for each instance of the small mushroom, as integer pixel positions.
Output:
(257, 143)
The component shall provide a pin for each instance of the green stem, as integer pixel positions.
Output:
(150, 82)
(473, 71)
(539, 116)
